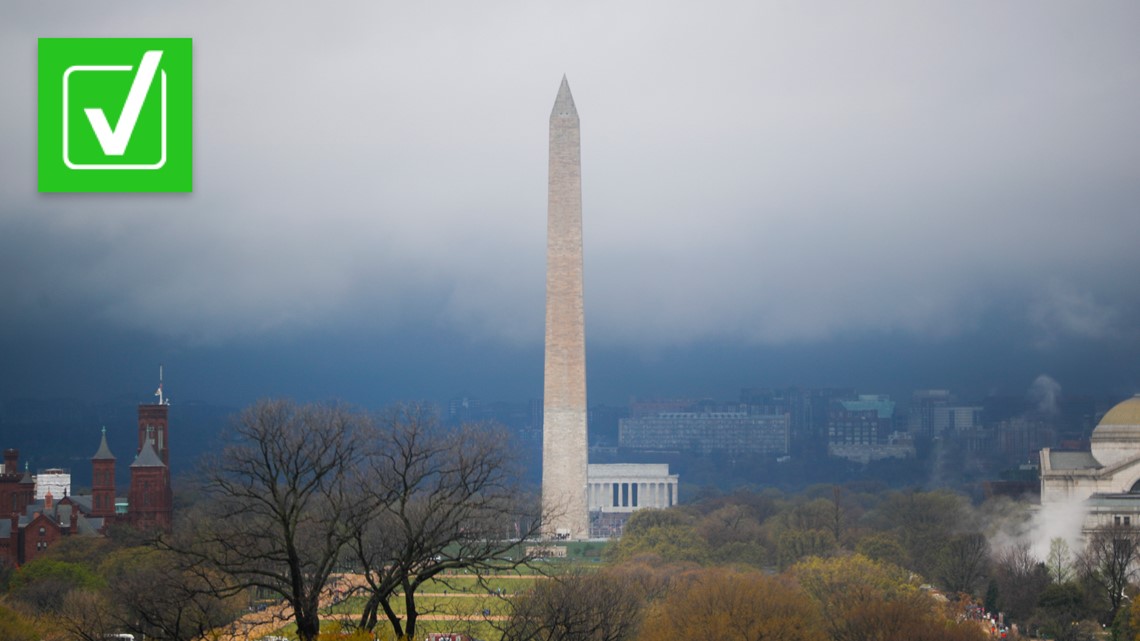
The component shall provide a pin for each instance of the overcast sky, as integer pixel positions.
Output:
(765, 185)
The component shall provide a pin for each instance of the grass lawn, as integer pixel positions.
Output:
(460, 602)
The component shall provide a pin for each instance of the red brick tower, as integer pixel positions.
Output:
(151, 499)
(103, 481)
(153, 425)
(17, 490)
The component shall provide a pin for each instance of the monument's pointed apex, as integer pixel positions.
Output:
(564, 103)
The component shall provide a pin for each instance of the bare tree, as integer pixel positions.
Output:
(156, 597)
(88, 615)
(447, 501)
(577, 607)
(1109, 563)
(1021, 578)
(282, 502)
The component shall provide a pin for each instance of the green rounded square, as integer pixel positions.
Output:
(115, 115)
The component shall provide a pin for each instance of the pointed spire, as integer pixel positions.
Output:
(147, 457)
(104, 452)
(564, 103)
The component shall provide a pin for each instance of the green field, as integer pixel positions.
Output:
(484, 631)
(453, 605)
(462, 602)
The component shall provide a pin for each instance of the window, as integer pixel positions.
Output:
(43, 531)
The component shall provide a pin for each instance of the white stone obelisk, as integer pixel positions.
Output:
(564, 397)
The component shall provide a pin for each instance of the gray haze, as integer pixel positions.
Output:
(763, 184)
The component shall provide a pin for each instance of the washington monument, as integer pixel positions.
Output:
(564, 396)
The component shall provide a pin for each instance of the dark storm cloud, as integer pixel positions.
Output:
(772, 173)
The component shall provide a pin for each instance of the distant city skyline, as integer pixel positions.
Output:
(987, 437)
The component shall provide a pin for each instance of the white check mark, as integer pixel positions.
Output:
(114, 141)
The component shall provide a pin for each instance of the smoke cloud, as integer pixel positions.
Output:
(1045, 392)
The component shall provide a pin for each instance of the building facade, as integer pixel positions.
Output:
(55, 480)
(957, 418)
(923, 404)
(620, 489)
(706, 433)
(627, 487)
(32, 525)
(1105, 478)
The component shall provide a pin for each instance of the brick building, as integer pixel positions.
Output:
(28, 526)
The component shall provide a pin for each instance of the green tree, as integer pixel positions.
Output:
(14, 627)
(794, 545)
(6, 572)
(909, 620)
(843, 508)
(882, 546)
(1061, 608)
(1133, 627)
(718, 603)
(1060, 560)
(963, 563)
(750, 553)
(729, 524)
(647, 577)
(817, 514)
(864, 600)
(848, 590)
(734, 536)
(84, 550)
(924, 523)
(43, 583)
(668, 534)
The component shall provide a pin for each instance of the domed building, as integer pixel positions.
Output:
(1107, 478)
